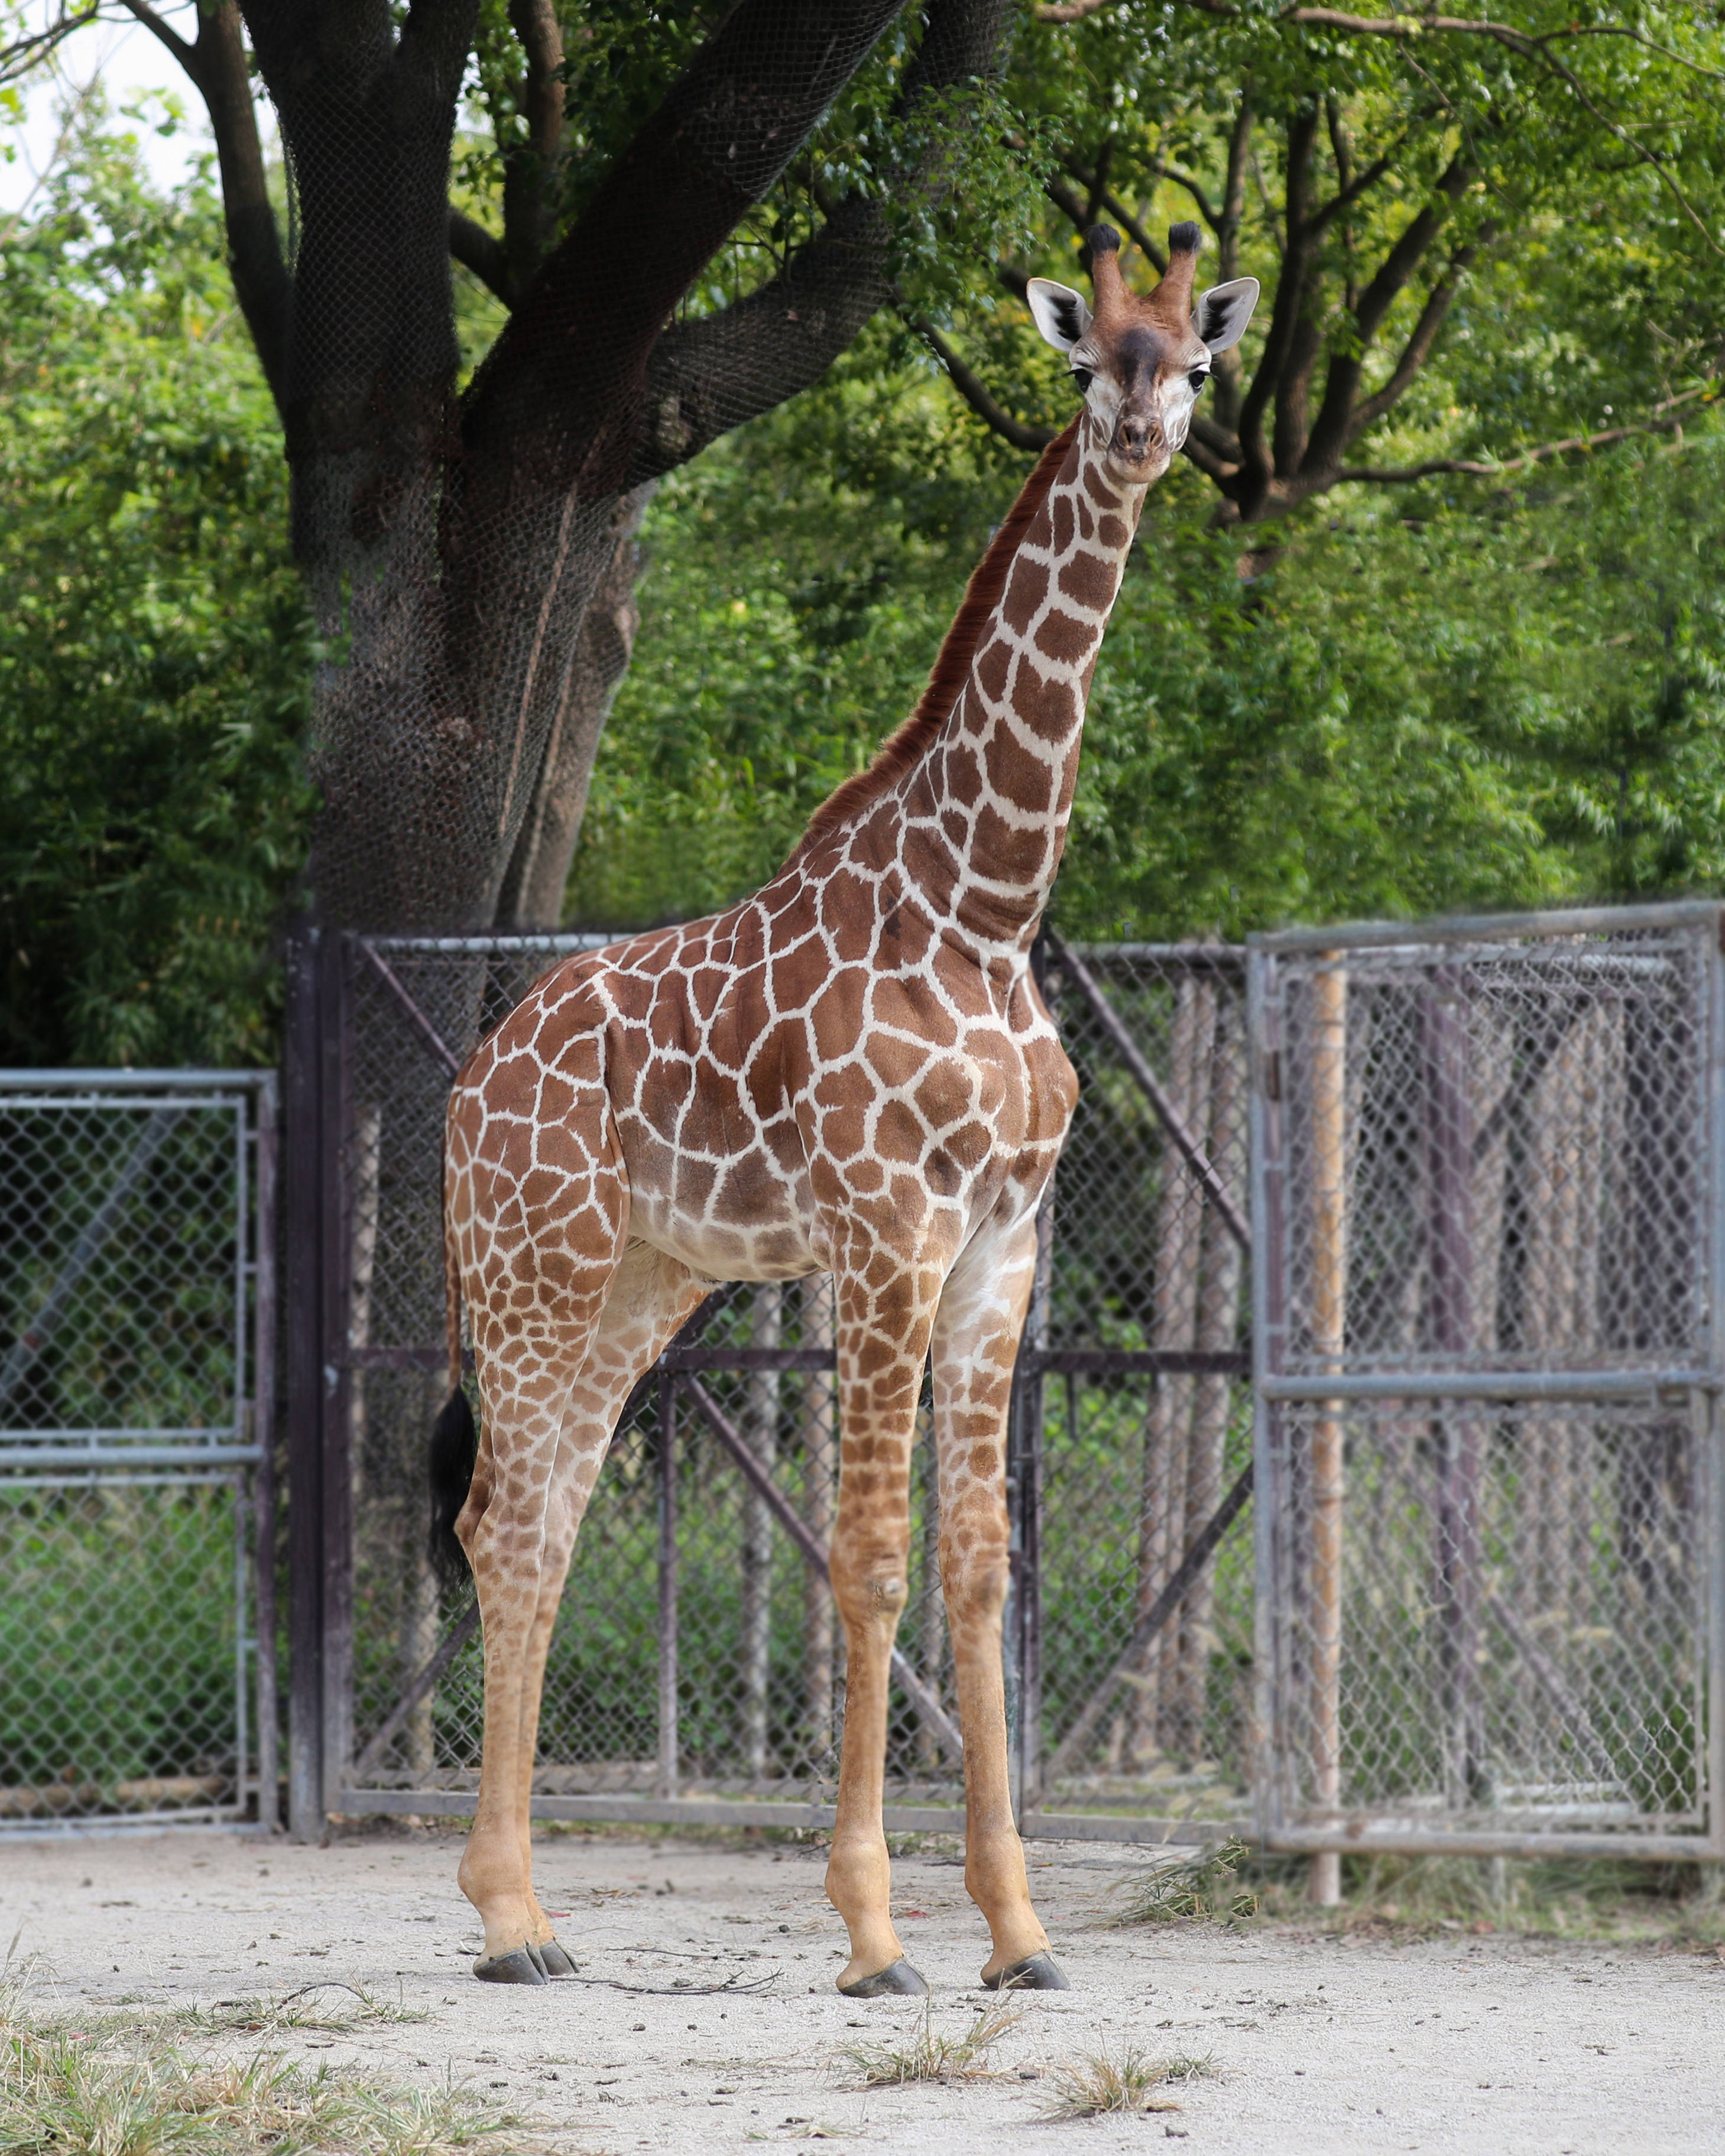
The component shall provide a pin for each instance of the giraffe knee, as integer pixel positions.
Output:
(976, 1587)
(871, 1585)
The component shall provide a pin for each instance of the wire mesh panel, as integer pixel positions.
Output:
(1518, 1643)
(136, 1299)
(1144, 1420)
(1487, 1372)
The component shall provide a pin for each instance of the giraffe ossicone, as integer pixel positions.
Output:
(851, 1072)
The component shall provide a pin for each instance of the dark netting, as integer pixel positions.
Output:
(470, 554)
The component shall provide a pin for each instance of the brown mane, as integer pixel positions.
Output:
(952, 668)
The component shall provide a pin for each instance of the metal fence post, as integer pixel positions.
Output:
(668, 1746)
(303, 1250)
(334, 1041)
(263, 1434)
(1269, 1322)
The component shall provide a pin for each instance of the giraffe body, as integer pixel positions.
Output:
(851, 1072)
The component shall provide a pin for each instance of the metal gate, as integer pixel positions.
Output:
(1489, 1336)
(696, 1673)
(136, 1357)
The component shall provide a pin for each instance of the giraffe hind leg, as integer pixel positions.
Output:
(647, 1297)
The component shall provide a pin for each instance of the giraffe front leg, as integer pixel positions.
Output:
(976, 1341)
(883, 1342)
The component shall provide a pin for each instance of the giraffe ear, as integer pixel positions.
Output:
(1224, 310)
(1060, 313)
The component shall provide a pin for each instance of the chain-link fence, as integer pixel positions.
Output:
(1488, 1366)
(136, 1301)
(1480, 1602)
(697, 1665)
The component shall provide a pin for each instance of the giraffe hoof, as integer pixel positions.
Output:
(897, 1976)
(553, 1960)
(523, 1966)
(1036, 1971)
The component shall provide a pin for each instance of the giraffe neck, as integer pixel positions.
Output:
(986, 807)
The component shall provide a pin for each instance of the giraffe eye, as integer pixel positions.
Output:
(1083, 376)
(1198, 377)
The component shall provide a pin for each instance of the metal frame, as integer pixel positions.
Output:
(244, 1464)
(1698, 1387)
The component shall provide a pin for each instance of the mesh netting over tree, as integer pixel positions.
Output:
(674, 260)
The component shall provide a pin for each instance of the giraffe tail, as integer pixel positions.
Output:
(454, 1441)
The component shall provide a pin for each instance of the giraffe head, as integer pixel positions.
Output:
(1142, 362)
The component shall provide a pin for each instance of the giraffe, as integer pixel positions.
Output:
(851, 1072)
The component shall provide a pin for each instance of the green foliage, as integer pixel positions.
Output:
(1395, 704)
(154, 656)
(116, 1635)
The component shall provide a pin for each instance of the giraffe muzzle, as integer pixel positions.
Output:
(1137, 436)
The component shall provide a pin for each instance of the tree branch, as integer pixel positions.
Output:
(482, 252)
(707, 376)
(1289, 297)
(29, 51)
(1202, 451)
(1468, 468)
(1194, 187)
(1337, 422)
(216, 63)
(1132, 226)
(564, 391)
(531, 169)
(971, 388)
(168, 36)
(1417, 349)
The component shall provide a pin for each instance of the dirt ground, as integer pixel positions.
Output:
(1318, 2044)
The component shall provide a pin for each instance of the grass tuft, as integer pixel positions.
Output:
(1208, 1885)
(1672, 1908)
(930, 2057)
(112, 2089)
(1098, 2081)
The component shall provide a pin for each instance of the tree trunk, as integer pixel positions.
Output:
(539, 869)
(454, 547)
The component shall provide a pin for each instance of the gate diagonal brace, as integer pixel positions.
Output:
(416, 1017)
(918, 1692)
(40, 1330)
(1151, 1623)
(1196, 1158)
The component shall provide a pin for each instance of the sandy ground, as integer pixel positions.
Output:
(1472, 2045)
